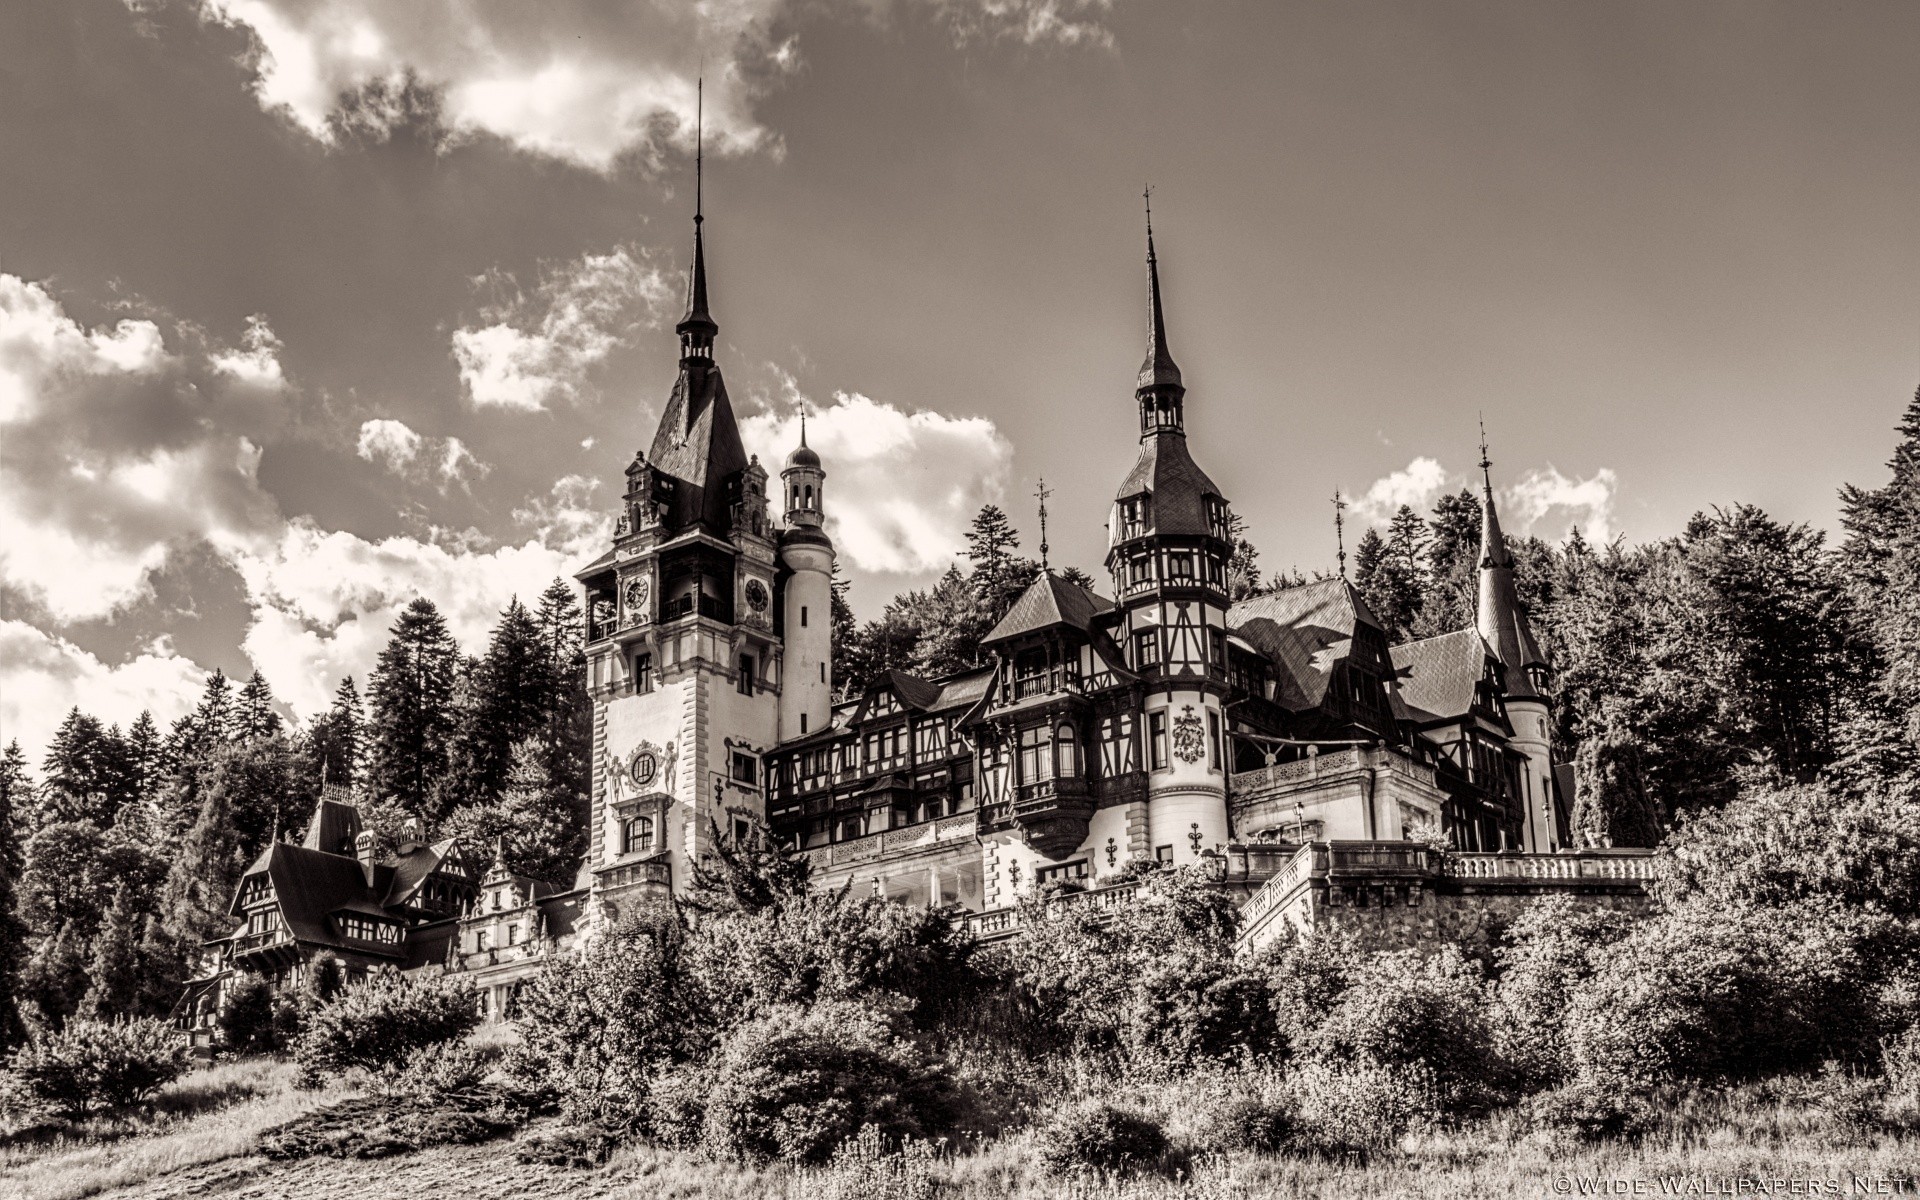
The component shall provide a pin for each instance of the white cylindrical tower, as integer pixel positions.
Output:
(1532, 737)
(806, 688)
(1187, 785)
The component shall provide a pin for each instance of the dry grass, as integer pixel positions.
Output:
(1711, 1141)
(206, 1116)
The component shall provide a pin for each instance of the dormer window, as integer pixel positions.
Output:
(1219, 519)
(1133, 516)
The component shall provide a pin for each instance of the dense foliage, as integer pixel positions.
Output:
(90, 1065)
(384, 1021)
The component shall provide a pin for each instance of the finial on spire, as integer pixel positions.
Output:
(1158, 370)
(1340, 530)
(803, 427)
(699, 144)
(1486, 464)
(697, 328)
(1043, 492)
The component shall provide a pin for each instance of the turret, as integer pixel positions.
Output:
(806, 699)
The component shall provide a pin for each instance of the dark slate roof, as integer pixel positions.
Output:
(1304, 631)
(911, 690)
(1158, 369)
(427, 945)
(1048, 601)
(1501, 619)
(957, 691)
(1178, 485)
(1437, 676)
(334, 828)
(309, 885)
(698, 445)
(596, 564)
(411, 869)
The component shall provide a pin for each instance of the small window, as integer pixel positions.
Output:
(643, 673)
(823, 679)
(1180, 567)
(480, 940)
(1067, 748)
(742, 831)
(803, 722)
(1146, 649)
(745, 768)
(1217, 646)
(1157, 738)
(636, 835)
(1163, 854)
(744, 684)
(1213, 740)
(513, 935)
(803, 616)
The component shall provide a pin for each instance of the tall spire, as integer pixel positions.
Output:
(1158, 388)
(1042, 492)
(1500, 619)
(1340, 530)
(697, 328)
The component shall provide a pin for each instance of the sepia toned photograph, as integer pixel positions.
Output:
(959, 599)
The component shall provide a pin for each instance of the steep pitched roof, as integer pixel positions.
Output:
(335, 826)
(1178, 485)
(698, 445)
(411, 869)
(1500, 617)
(964, 689)
(1304, 631)
(309, 885)
(1048, 601)
(1437, 676)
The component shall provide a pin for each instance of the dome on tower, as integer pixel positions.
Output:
(803, 456)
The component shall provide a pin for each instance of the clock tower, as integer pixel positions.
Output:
(690, 649)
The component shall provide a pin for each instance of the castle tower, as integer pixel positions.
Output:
(1502, 622)
(806, 554)
(1169, 546)
(684, 659)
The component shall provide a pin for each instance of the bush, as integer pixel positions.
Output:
(1361, 1105)
(92, 1065)
(1103, 1138)
(1421, 1016)
(1251, 1125)
(1306, 976)
(257, 1018)
(868, 1167)
(796, 1083)
(1586, 1111)
(1548, 953)
(383, 1022)
(579, 1146)
(599, 1023)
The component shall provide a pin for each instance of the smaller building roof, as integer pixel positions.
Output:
(1304, 631)
(1048, 601)
(1437, 677)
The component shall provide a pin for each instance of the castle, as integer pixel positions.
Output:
(1279, 743)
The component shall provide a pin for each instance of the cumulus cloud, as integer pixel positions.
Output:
(442, 461)
(47, 676)
(541, 347)
(324, 600)
(901, 486)
(1417, 485)
(566, 517)
(257, 361)
(116, 451)
(583, 81)
(1543, 494)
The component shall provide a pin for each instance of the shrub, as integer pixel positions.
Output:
(1422, 1016)
(580, 1146)
(1307, 973)
(796, 1083)
(383, 1022)
(677, 1105)
(600, 1022)
(868, 1167)
(1362, 1105)
(1251, 1125)
(93, 1065)
(1587, 1111)
(1102, 1138)
(1552, 949)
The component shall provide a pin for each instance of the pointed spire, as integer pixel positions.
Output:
(1340, 530)
(1500, 619)
(697, 328)
(1158, 369)
(1042, 492)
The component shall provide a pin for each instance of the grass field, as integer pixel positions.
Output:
(199, 1140)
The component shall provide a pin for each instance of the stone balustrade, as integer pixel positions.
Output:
(926, 833)
(998, 923)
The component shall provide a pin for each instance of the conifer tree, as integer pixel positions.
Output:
(205, 869)
(214, 717)
(843, 636)
(507, 699)
(568, 740)
(1243, 569)
(85, 773)
(1078, 578)
(540, 823)
(55, 976)
(333, 743)
(412, 721)
(115, 975)
(15, 784)
(1881, 561)
(253, 713)
(1452, 566)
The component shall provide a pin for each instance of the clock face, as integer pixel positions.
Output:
(756, 595)
(636, 596)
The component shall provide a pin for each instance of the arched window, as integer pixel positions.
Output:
(809, 495)
(636, 836)
(1066, 749)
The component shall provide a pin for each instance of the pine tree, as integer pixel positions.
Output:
(15, 785)
(55, 977)
(85, 772)
(568, 740)
(214, 718)
(844, 637)
(1243, 569)
(1452, 566)
(1078, 578)
(540, 822)
(333, 742)
(205, 870)
(505, 701)
(253, 715)
(1881, 564)
(115, 975)
(412, 722)
(999, 575)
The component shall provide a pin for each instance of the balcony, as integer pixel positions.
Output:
(998, 923)
(647, 872)
(959, 828)
(1053, 813)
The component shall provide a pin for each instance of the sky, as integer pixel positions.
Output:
(308, 307)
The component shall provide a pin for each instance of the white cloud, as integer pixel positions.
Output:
(539, 348)
(583, 81)
(578, 80)
(901, 487)
(47, 676)
(116, 453)
(1417, 485)
(259, 362)
(1587, 503)
(324, 600)
(567, 519)
(442, 461)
